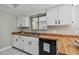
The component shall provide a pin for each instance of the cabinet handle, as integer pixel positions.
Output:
(19, 37)
(56, 22)
(29, 43)
(20, 24)
(16, 39)
(23, 40)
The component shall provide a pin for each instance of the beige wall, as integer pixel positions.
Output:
(55, 29)
(7, 25)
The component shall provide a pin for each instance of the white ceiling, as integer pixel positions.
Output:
(22, 9)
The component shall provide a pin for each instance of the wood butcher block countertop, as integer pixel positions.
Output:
(65, 42)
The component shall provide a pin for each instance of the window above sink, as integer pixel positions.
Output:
(39, 22)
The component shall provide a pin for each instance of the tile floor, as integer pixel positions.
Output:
(12, 51)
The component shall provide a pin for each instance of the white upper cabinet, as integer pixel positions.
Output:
(60, 15)
(23, 21)
(65, 14)
(51, 16)
(75, 13)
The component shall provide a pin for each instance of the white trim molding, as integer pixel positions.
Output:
(5, 48)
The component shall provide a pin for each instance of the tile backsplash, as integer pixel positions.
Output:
(53, 29)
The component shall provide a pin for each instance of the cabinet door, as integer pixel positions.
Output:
(19, 21)
(23, 21)
(75, 15)
(34, 46)
(51, 16)
(31, 45)
(18, 43)
(27, 21)
(26, 46)
(14, 39)
(65, 14)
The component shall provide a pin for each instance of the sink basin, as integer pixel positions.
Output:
(32, 34)
(29, 34)
(76, 43)
(35, 34)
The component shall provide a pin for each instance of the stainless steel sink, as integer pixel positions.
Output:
(34, 34)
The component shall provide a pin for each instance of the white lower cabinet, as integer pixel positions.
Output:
(27, 44)
(32, 45)
(18, 42)
(34, 48)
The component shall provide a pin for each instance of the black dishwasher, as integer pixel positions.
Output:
(47, 47)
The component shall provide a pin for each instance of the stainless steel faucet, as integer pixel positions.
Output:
(35, 33)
